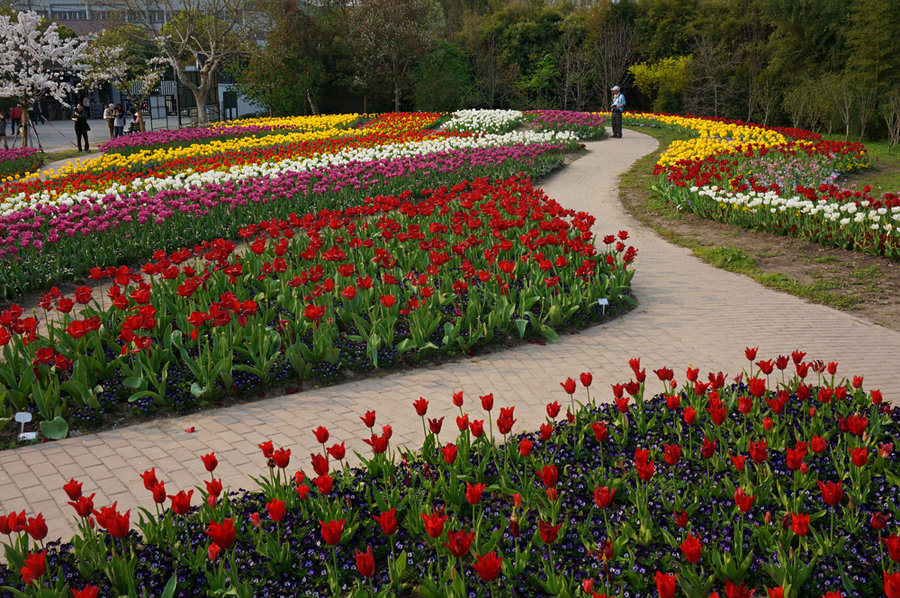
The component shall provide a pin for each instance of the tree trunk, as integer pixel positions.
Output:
(200, 98)
(396, 95)
(312, 104)
(23, 128)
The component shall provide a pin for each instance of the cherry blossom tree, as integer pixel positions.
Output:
(124, 57)
(36, 62)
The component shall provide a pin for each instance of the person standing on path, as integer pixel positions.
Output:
(15, 118)
(618, 105)
(118, 121)
(109, 117)
(81, 127)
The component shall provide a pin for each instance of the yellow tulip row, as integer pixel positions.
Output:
(311, 129)
(712, 138)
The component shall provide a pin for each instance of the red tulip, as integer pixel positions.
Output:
(548, 475)
(73, 489)
(214, 488)
(209, 461)
(282, 458)
(603, 496)
(476, 427)
(586, 379)
(458, 398)
(505, 421)
(681, 519)
(759, 451)
(487, 401)
(622, 404)
(159, 493)
(149, 478)
(832, 492)
(488, 566)
(337, 451)
(37, 528)
(690, 415)
(388, 521)
(321, 434)
(267, 449)
(434, 523)
(600, 431)
(459, 543)
(672, 453)
(369, 419)
(891, 584)
(750, 354)
(739, 462)
(525, 447)
(332, 531)
(794, 458)
(324, 483)
(745, 404)
(378, 443)
(181, 502)
(222, 534)
(115, 523)
(35, 567)
(84, 506)
(799, 524)
(708, 449)
(86, 592)
(473, 493)
(568, 386)
(435, 425)
(421, 406)
(276, 510)
(775, 592)
(859, 456)
(892, 543)
(691, 548)
(665, 584)
(818, 444)
(743, 500)
(548, 531)
(365, 562)
(879, 520)
(553, 409)
(673, 402)
(462, 422)
(449, 452)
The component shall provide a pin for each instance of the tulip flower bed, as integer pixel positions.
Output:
(778, 483)
(485, 121)
(178, 137)
(586, 125)
(400, 279)
(19, 161)
(783, 181)
(123, 228)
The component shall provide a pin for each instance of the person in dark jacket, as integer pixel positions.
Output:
(81, 127)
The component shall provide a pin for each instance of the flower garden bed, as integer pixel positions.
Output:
(762, 484)
(19, 161)
(401, 278)
(586, 125)
(776, 180)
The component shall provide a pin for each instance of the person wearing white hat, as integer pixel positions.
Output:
(109, 115)
(618, 105)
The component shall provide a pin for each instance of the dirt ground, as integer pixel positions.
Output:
(863, 285)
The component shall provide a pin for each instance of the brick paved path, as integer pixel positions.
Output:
(689, 313)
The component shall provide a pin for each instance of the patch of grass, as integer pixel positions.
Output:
(68, 155)
(870, 273)
(884, 175)
(827, 259)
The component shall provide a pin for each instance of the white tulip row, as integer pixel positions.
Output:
(190, 178)
(484, 121)
(833, 211)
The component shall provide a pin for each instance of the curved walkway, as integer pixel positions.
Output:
(689, 313)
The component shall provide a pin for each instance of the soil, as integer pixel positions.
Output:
(862, 285)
